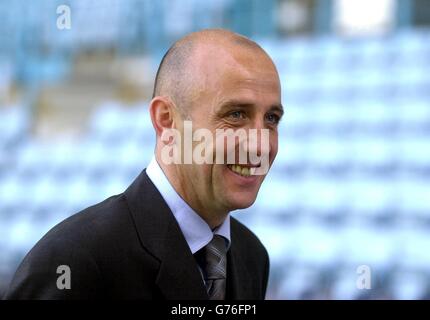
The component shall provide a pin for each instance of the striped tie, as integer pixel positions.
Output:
(216, 268)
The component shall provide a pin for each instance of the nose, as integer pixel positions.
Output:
(258, 139)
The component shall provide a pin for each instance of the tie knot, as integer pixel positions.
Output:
(217, 242)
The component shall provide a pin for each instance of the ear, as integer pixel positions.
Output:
(162, 114)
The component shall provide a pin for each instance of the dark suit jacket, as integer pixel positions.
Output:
(130, 247)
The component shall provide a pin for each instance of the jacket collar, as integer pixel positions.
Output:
(159, 233)
(238, 276)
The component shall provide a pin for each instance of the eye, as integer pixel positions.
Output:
(237, 115)
(273, 118)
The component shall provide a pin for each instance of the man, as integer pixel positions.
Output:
(170, 235)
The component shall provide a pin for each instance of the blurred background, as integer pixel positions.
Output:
(351, 183)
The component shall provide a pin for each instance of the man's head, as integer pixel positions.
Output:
(218, 80)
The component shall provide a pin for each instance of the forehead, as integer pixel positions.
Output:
(249, 81)
(239, 73)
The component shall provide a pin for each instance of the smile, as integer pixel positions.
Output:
(243, 171)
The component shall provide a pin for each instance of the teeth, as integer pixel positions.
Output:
(243, 171)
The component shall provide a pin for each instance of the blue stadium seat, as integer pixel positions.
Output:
(375, 153)
(329, 154)
(14, 127)
(332, 118)
(67, 160)
(414, 255)
(99, 158)
(373, 199)
(409, 286)
(279, 238)
(291, 157)
(413, 198)
(80, 192)
(296, 121)
(413, 115)
(366, 244)
(332, 52)
(344, 286)
(279, 197)
(134, 155)
(44, 193)
(325, 199)
(33, 159)
(375, 116)
(297, 282)
(107, 123)
(414, 154)
(317, 246)
(409, 43)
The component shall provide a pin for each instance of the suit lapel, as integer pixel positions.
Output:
(242, 282)
(159, 233)
(239, 278)
(179, 276)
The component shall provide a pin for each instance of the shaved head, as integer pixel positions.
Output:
(178, 75)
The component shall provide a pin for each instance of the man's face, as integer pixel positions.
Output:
(237, 91)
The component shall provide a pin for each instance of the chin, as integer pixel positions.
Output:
(241, 202)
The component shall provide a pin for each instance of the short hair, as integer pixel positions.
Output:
(168, 77)
(173, 77)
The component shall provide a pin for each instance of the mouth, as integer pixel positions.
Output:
(242, 170)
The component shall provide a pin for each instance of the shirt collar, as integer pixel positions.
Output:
(196, 231)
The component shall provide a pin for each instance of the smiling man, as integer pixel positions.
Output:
(170, 234)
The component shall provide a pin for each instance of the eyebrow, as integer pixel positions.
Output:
(278, 108)
(241, 104)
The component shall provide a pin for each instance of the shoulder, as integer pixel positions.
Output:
(90, 225)
(252, 258)
(77, 243)
(245, 239)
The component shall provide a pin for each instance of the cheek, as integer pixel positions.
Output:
(218, 179)
(204, 173)
(273, 148)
